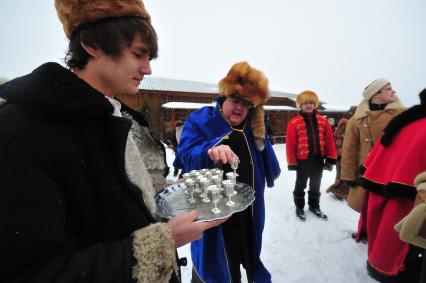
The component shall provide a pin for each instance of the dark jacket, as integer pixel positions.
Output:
(68, 211)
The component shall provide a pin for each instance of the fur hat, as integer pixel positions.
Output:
(374, 88)
(247, 82)
(75, 13)
(306, 96)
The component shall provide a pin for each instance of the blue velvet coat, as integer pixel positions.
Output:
(204, 129)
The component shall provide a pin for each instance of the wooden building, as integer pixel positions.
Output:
(164, 101)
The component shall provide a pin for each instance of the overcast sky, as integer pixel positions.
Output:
(334, 47)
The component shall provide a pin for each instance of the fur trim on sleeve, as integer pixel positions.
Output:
(420, 181)
(154, 251)
(258, 127)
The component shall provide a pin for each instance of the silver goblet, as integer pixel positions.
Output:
(214, 191)
(216, 180)
(195, 176)
(234, 164)
(233, 178)
(186, 176)
(229, 191)
(204, 183)
(190, 185)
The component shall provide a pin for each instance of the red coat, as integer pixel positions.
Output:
(389, 176)
(297, 146)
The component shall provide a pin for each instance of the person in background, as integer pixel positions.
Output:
(177, 132)
(268, 126)
(332, 122)
(389, 174)
(79, 169)
(215, 136)
(378, 106)
(340, 189)
(309, 142)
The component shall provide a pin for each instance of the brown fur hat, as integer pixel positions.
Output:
(247, 82)
(74, 13)
(306, 96)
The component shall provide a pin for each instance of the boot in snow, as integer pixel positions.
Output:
(301, 214)
(318, 213)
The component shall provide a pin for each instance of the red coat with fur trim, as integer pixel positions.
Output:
(297, 144)
(388, 173)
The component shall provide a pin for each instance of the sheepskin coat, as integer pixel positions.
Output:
(77, 186)
(364, 128)
(204, 129)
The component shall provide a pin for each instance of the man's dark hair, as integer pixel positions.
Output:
(110, 35)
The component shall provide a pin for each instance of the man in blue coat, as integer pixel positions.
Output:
(234, 128)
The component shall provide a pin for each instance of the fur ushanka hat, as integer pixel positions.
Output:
(75, 13)
(250, 84)
(307, 96)
(374, 87)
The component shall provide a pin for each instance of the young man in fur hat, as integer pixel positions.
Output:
(309, 142)
(234, 128)
(388, 174)
(78, 169)
(364, 128)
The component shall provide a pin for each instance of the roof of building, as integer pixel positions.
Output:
(152, 83)
(335, 108)
(193, 105)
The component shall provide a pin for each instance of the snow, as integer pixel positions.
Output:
(299, 252)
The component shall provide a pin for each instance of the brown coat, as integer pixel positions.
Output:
(363, 129)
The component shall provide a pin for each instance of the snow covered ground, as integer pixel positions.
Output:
(300, 252)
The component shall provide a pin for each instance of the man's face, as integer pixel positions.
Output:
(385, 95)
(123, 75)
(308, 107)
(235, 110)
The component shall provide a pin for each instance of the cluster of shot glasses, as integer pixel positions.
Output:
(208, 186)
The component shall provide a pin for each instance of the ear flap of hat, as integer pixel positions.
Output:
(306, 96)
(258, 127)
(246, 82)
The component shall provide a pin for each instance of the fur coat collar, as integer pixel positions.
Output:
(82, 101)
(363, 109)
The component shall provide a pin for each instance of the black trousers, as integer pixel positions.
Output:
(308, 169)
(238, 239)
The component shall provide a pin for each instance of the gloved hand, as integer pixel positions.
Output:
(412, 228)
(328, 166)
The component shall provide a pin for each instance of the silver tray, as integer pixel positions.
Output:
(173, 201)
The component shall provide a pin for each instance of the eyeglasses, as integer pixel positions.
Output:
(244, 103)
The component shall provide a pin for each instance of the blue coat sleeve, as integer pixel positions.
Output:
(272, 166)
(194, 144)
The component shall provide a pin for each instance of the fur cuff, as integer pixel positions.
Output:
(412, 228)
(154, 251)
(258, 127)
(420, 181)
